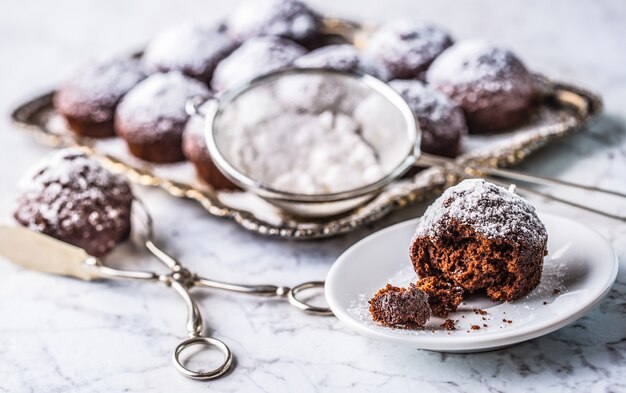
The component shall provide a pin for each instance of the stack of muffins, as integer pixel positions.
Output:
(453, 88)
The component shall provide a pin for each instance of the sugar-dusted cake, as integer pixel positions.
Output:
(290, 19)
(193, 49)
(483, 238)
(151, 118)
(73, 198)
(255, 57)
(441, 121)
(490, 83)
(89, 98)
(407, 48)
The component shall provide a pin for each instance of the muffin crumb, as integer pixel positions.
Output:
(449, 324)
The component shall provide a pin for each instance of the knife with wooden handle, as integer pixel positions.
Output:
(36, 251)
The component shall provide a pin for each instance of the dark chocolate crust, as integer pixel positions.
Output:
(166, 149)
(490, 84)
(151, 117)
(88, 100)
(393, 306)
(71, 197)
(482, 237)
(441, 121)
(489, 112)
(90, 128)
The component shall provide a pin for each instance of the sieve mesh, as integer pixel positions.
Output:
(255, 131)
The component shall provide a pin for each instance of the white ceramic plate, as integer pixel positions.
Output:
(579, 270)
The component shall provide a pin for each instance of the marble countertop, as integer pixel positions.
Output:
(63, 335)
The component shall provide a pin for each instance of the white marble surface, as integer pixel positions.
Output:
(60, 335)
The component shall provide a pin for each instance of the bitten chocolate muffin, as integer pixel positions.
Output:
(483, 238)
(195, 150)
(393, 306)
(443, 296)
(195, 50)
(151, 117)
(71, 197)
(88, 100)
(290, 19)
(442, 122)
(407, 48)
(341, 57)
(490, 84)
(255, 57)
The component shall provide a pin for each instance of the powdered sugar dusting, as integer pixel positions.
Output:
(492, 211)
(96, 88)
(311, 93)
(431, 105)
(157, 105)
(255, 57)
(319, 153)
(71, 196)
(441, 122)
(65, 176)
(190, 48)
(341, 57)
(407, 47)
(477, 62)
(285, 18)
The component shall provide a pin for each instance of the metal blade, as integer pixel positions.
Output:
(36, 251)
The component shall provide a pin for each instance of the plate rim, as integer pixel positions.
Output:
(469, 343)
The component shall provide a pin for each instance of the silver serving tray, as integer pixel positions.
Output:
(563, 110)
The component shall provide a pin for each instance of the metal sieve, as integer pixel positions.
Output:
(387, 124)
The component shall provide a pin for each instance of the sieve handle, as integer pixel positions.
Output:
(194, 104)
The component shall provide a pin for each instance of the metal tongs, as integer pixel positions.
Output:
(504, 177)
(40, 252)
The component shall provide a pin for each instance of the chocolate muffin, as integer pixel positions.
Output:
(407, 48)
(290, 19)
(151, 117)
(490, 84)
(443, 296)
(71, 197)
(195, 150)
(393, 306)
(483, 238)
(88, 100)
(195, 50)
(255, 57)
(342, 57)
(442, 122)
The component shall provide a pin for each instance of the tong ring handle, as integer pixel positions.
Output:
(292, 297)
(207, 342)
